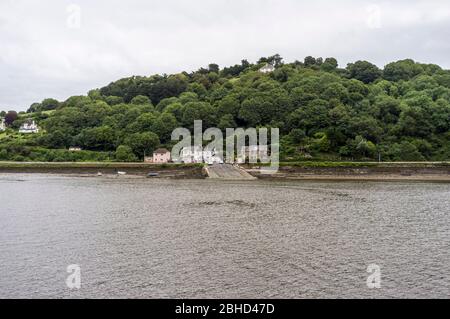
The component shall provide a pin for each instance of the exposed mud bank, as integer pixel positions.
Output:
(93, 169)
(407, 172)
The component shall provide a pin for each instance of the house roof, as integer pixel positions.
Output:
(268, 66)
(161, 151)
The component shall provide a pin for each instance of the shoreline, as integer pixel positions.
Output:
(371, 178)
(91, 169)
(307, 171)
(396, 171)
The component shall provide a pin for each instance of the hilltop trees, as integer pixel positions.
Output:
(323, 111)
(402, 70)
(236, 69)
(364, 71)
(155, 87)
(45, 105)
(275, 60)
(329, 65)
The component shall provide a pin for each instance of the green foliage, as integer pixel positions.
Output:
(140, 100)
(45, 105)
(405, 151)
(155, 87)
(329, 65)
(364, 71)
(142, 143)
(27, 153)
(56, 139)
(10, 117)
(402, 70)
(297, 135)
(320, 142)
(323, 112)
(113, 100)
(77, 101)
(163, 126)
(226, 121)
(125, 154)
(198, 111)
(100, 138)
(359, 147)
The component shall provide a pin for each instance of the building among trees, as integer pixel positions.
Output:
(196, 154)
(2, 125)
(268, 68)
(324, 112)
(161, 155)
(192, 154)
(252, 154)
(29, 127)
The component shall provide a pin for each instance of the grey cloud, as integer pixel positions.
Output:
(41, 57)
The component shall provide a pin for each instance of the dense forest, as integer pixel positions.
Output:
(362, 112)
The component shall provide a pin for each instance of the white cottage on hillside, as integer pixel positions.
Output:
(2, 125)
(268, 68)
(29, 127)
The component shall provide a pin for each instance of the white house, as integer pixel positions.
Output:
(196, 154)
(268, 68)
(75, 149)
(263, 153)
(192, 154)
(2, 125)
(161, 155)
(29, 127)
(253, 153)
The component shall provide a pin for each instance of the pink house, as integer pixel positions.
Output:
(161, 155)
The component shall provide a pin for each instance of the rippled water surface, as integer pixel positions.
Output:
(138, 238)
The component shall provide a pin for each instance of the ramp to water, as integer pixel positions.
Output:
(228, 171)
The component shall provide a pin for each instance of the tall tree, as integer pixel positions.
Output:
(364, 71)
(10, 117)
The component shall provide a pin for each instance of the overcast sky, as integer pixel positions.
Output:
(58, 48)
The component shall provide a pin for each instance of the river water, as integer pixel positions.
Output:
(144, 238)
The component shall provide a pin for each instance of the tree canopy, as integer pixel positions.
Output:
(401, 112)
